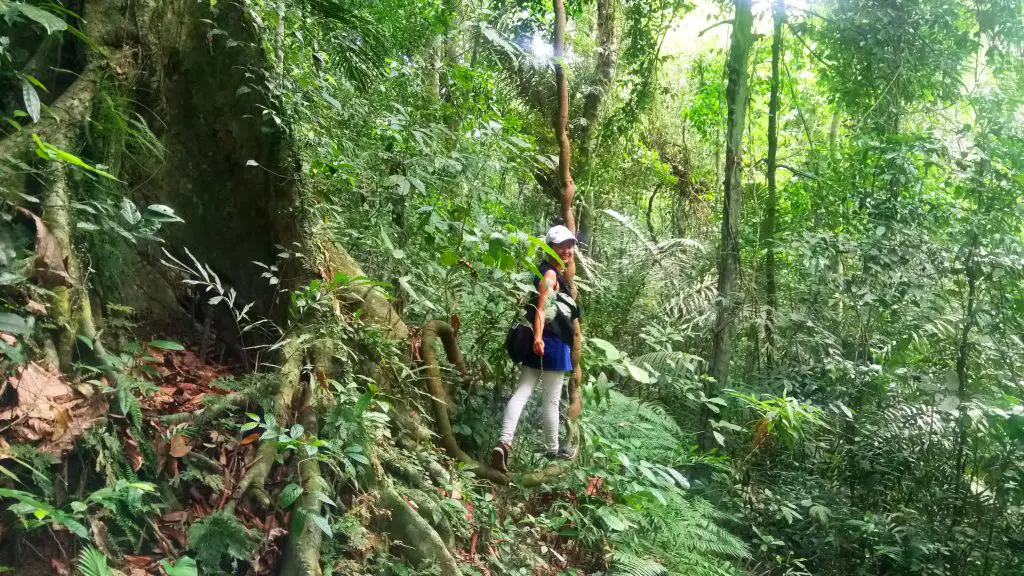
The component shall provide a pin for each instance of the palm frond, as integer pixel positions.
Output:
(92, 562)
(357, 43)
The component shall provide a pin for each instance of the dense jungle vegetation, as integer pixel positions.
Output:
(233, 233)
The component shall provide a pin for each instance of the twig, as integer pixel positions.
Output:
(713, 26)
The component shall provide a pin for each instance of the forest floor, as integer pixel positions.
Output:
(45, 410)
(199, 457)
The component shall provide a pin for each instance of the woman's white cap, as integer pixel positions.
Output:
(559, 234)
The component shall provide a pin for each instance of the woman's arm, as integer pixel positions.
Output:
(545, 288)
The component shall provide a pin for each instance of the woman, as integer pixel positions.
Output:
(549, 359)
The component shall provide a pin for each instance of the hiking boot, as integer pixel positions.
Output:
(564, 453)
(499, 457)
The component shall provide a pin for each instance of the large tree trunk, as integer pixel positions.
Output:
(235, 181)
(728, 262)
(769, 224)
(604, 71)
(568, 191)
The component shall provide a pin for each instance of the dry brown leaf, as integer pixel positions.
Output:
(180, 446)
(81, 415)
(176, 516)
(38, 389)
(139, 561)
(161, 447)
(59, 568)
(51, 269)
(131, 451)
(61, 423)
(36, 308)
(250, 438)
(100, 535)
(8, 339)
(177, 536)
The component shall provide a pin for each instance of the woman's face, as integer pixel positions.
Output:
(564, 251)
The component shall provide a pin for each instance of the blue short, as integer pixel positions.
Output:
(557, 356)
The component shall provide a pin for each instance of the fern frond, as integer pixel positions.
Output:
(668, 362)
(645, 429)
(694, 302)
(92, 562)
(625, 563)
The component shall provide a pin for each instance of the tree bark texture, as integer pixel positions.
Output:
(604, 68)
(770, 217)
(728, 263)
(568, 192)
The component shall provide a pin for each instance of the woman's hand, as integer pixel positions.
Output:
(538, 346)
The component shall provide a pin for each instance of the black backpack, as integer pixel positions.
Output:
(519, 342)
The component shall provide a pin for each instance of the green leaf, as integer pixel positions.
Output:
(35, 81)
(165, 345)
(185, 566)
(680, 479)
(363, 403)
(333, 102)
(322, 524)
(719, 438)
(612, 519)
(166, 212)
(290, 494)
(6, 472)
(325, 499)
(610, 351)
(130, 212)
(31, 98)
(449, 258)
(296, 431)
(638, 374)
(50, 152)
(50, 22)
(16, 324)
(398, 180)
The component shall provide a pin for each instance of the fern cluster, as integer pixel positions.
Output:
(218, 535)
(641, 429)
(683, 535)
(655, 527)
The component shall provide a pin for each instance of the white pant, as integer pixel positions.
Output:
(552, 381)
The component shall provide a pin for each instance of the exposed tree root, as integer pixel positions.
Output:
(420, 541)
(302, 555)
(433, 330)
(56, 215)
(373, 302)
(254, 481)
(427, 507)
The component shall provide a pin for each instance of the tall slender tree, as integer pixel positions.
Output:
(604, 72)
(729, 257)
(568, 187)
(770, 216)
